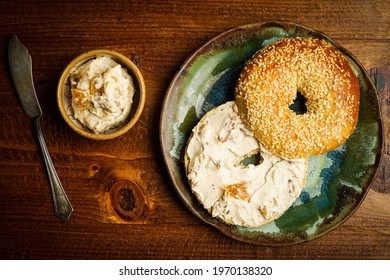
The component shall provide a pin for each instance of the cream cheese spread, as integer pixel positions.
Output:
(244, 195)
(102, 94)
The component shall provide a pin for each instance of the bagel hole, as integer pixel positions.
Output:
(299, 104)
(252, 158)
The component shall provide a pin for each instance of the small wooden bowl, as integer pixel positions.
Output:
(64, 97)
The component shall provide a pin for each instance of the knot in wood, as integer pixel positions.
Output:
(128, 201)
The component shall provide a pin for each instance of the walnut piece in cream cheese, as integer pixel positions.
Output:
(102, 94)
(244, 195)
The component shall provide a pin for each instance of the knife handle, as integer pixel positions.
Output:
(62, 207)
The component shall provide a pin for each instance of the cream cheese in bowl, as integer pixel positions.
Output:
(102, 94)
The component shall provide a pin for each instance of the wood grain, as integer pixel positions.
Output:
(381, 79)
(125, 205)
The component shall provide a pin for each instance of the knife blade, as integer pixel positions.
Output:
(21, 70)
(20, 64)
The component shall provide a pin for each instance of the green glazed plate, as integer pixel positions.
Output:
(337, 181)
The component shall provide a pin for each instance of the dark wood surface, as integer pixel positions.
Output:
(158, 36)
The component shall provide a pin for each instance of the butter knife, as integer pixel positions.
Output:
(21, 70)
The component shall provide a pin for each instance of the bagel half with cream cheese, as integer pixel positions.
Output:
(248, 195)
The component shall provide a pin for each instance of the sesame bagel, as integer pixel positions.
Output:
(270, 82)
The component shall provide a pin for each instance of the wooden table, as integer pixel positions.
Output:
(158, 36)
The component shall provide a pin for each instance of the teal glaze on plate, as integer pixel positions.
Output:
(337, 181)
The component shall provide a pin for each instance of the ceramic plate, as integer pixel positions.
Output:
(337, 181)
